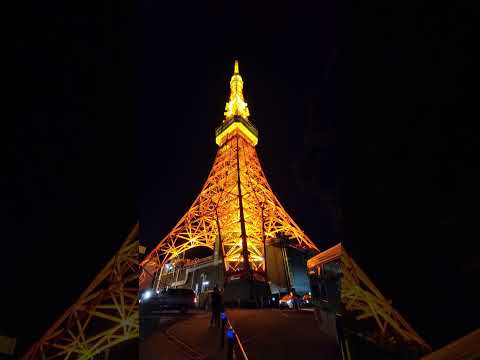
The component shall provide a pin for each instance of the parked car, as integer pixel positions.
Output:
(306, 300)
(288, 301)
(168, 299)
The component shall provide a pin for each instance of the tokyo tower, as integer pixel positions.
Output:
(235, 207)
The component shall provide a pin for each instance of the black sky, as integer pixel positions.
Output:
(67, 200)
(364, 136)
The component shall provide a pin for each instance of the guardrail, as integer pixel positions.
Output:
(235, 349)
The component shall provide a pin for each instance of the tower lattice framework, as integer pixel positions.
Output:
(105, 315)
(236, 203)
(362, 299)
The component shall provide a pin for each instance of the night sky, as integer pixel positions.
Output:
(67, 203)
(364, 137)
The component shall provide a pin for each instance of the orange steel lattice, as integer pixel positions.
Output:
(105, 315)
(236, 203)
(362, 298)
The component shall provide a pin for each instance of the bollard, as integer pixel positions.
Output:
(230, 343)
(223, 317)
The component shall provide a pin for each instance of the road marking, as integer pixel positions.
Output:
(187, 349)
(245, 357)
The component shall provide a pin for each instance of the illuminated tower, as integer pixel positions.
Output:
(236, 205)
(105, 314)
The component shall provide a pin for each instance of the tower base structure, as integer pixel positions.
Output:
(242, 291)
(203, 274)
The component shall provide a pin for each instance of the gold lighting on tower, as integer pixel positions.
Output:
(105, 314)
(236, 104)
(236, 204)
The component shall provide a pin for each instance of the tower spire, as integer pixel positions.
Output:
(236, 113)
(236, 105)
(235, 69)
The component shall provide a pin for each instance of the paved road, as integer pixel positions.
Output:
(282, 334)
(265, 334)
(180, 337)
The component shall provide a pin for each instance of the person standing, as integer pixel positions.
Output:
(296, 301)
(216, 307)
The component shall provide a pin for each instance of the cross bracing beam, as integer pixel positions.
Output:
(105, 314)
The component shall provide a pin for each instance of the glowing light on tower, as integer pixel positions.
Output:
(236, 204)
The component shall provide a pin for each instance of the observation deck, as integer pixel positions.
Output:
(236, 124)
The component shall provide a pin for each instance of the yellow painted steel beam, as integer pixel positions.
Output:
(361, 297)
(97, 321)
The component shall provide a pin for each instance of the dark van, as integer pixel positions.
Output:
(170, 299)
